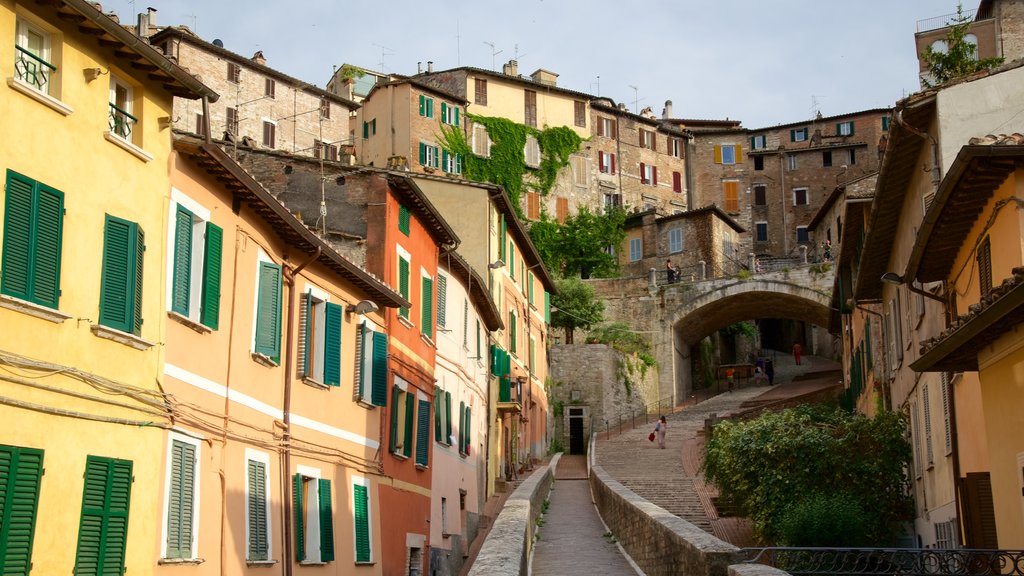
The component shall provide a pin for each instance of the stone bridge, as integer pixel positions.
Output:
(676, 317)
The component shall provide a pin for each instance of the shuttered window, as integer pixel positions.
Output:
(926, 400)
(427, 307)
(361, 523)
(731, 195)
(234, 72)
(561, 210)
(269, 87)
(423, 433)
(232, 121)
(257, 513)
(442, 301)
(404, 219)
(403, 284)
(269, 134)
(313, 515)
(580, 113)
(530, 108)
(480, 91)
(21, 471)
(985, 266)
(403, 409)
(103, 526)
(181, 500)
(426, 107)
(195, 272)
(320, 340)
(371, 366)
(268, 312)
(533, 205)
(121, 277)
(33, 231)
(512, 331)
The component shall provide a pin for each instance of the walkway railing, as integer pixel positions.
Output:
(886, 561)
(628, 420)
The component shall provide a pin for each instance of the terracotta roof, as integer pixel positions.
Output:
(709, 209)
(414, 199)
(421, 85)
(824, 119)
(522, 80)
(837, 193)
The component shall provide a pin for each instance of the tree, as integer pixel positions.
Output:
(784, 467)
(960, 57)
(577, 306)
(580, 246)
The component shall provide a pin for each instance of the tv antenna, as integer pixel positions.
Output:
(384, 51)
(636, 99)
(493, 53)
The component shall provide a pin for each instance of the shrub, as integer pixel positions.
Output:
(824, 520)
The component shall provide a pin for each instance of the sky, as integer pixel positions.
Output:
(763, 62)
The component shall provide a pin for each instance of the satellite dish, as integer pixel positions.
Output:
(218, 43)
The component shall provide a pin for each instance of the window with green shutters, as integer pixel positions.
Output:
(103, 527)
(33, 232)
(442, 416)
(427, 307)
(403, 406)
(449, 114)
(547, 307)
(423, 433)
(529, 287)
(404, 217)
(512, 331)
(442, 301)
(257, 512)
(313, 495)
(21, 472)
(121, 277)
(361, 523)
(533, 356)
(371, 366)
(403, 284)
(181, 500)
(511, 262)
(426, 106)
(268, 312)
(195, 268)
(319, 340)
(430, 155)
(465, 418)
(503, 233)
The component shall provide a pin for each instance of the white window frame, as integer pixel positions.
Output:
(607, 127)
(448, 115)
(846, 128)
(807, 193)
(451, 166)
(800, 135)
(319, 311)
(263, 458)
(481, 141)
(606, 160)
(791, 161)
(432, 155)
(647, 175)
(127, 105)
(201, 215)
(759, 142)
(675, 240)
(24, 27)
(312, 520)
(731, 160)
(636, 249)
(196, 491)
(274, 124)
(531, 151)
(647, 138)
(675, 147)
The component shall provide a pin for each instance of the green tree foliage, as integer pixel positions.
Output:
(784, 466)
(960, 58)
(579, 247)
(577, 306)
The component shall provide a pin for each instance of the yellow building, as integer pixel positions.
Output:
(81, 288)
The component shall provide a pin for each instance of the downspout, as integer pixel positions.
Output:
(887, 393)
(783, 160)
(936, 166)
(288, 275)
(690, 148)
(227, 400)
(206, 120)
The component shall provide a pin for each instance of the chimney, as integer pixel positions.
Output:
(430, 66)
(667, 112)
(543, 76)
(151, 16)
(419, 67)
(142, 28)
(258, 58)
(511, 69)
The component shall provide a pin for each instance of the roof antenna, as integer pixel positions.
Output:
(493, 53)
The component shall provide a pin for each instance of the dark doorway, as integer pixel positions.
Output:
(577, 442)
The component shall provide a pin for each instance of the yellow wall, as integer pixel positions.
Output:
(507, 100)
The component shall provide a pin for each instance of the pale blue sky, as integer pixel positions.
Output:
(762, 62)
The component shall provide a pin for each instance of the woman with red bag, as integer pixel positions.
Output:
(660, 429)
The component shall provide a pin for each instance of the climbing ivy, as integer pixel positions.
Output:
(506, 165)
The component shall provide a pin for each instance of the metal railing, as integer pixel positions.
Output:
(32, 69)
(628, 419)
(121, 122)
(886, 561)
(945, 20)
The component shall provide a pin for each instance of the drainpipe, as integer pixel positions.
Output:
(206, 120)
(936, 166)
(289, 274)
(783, 160)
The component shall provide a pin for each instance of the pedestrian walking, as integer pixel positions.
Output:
(769, 371)
(729, 374)
(797, 349)
(671, 271)
(660, 429)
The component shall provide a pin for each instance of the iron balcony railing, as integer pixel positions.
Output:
(121, 122)
(886, 561)
(32, 69)
(945, 20)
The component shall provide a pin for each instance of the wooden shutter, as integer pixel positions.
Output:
(615, 128)
(33, 221)
(269, 87)
(468, 430)
(364, 361)
(103, 527)
(232, 121)
(444, 112)
(393, 440)
(300, 521)
(438, 407)
(677, 182)
(181, 500)
(512, 329)
(600, 161)
(547, 307)
(600, 127)
(643, 173)
(732, 196)
(21, 471)
(423, 154)
(305, 335)
(442, 300)
(326, 521)
(448, 417)
(984, 258)
(258, 546)
(362, 523)
(533, 205)
(366, 130)
(379, 394)
(268, 311)
(121, 277)
(430, 107)
(423, 433)
(501, 239)
(410, 407)
(403, 285)
(209, 314)
(136, 267)
(654, 175)
(462, 427)
(181, 281)
(404, 219)
(718, 154)
(269, 133)
(979, 511)
(332, 344)
(423, 105)
(612, 158)
(738, 153)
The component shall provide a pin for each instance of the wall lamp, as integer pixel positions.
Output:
(363, 307)
(897, 280)
(93, 73)
(499, 263)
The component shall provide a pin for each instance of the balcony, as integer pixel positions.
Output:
(121, 122)
(509, 396)
(32, 69)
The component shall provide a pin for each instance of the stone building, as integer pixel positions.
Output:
(701, 244)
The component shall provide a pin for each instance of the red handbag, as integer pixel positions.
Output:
(651, 436)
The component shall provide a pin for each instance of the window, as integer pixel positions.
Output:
(403, 407)
(480, 91)
(32, 57)
(513, 331)
(845, 128)
(371, 365)
(444, 515)
(257, 506)
(195, 263)
(915, 422)
(403, 281)
(985, 267)
(853, 156)
(325, 109)
(647, 139)
(636, 249)
(269, 134)
(369, 128)
(429, 156)
(530, 108)
(758, 162)
(895, 332)
(925, 401)
(319, 339)
(33, 234)
(180, 521)
(731, 195)
(269, 87)
(465, 425)
(677, 181)
(826, 158)
(314, 517)
(675, 147)
(531, 152)
(103, 525)
(325, 150)
(426, 106)
(799, 196)
(427, 306)
(422, 433)
(801, 235)
(121, 277)
(451, 163)
(605, 162)
(612, 200)
(607, 127)
(481, 141)
(442, 416)
(648, 174)
(760, 195)
(885, 123)
(361, 520)
(675, 240)
(449, 114)
(761, 232)
(404, 219)
(21, 472)
(791, 161)
(267, 341)
(533, 205)
(232, 121)
(121, 120)
(726, 154)
(580, 170)
(798, 135)
(561, 209)
(946, 422)
(759, 142)
(234, 72)
(580, 113)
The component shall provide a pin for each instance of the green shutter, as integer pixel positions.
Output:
(209, 314)
(140, 249)
(404, 219)
(442, 301)
(512, 331)
(268, 311)
(885, 123)
(21, 471)
(456, 116)
(380, 369)
(423, 433)
(33, 230)
(332, 344)
(120, 284)
(373, 126)
(444, 160)
(529, 287)
(430, 107)
(410, 407)
(469, 428)
(403, 285)
(366, 130)
(423, 105)
(462, 427)
(362, 524)
(181, 270)
(427, 308)
(103, 528)
(393, 444)
(181, 500)
(533, 356)
(448, 417)
(547, 307)
(438, 401)
(326, 522)
(258, 547)
(362, 363)
(300, 521)
(501, 239)
(423, 154)
(792, 135)
(305, 347)
(444, 112)
(511, 262)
